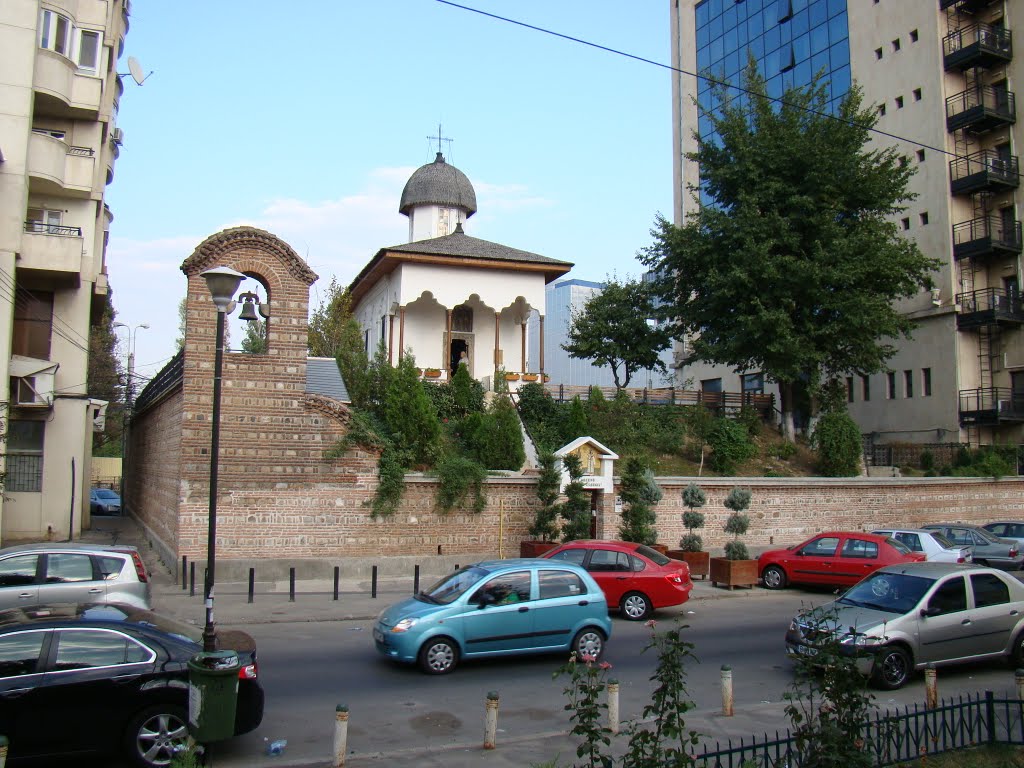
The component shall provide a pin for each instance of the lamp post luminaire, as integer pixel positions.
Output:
(132, 330)
(222, 283)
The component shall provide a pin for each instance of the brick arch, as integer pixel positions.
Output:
(216, 248)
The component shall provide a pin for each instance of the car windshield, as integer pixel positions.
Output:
(652, 554)
(451, 587)
(987, 535)
(891, 592)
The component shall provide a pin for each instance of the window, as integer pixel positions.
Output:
(899, 102)
(752, 383)
(905, 222)
(826, 546)
(33, 324)
(860, 548)
(849, 389)
(55, 32)
(502, 590)
(911, 540)
(711, 385)
(923, 216)
(571, 556)
(785, 11)
(89, 50)
(878, 53)
(91, 648)
(52, 133)
(58, 34)
(896, 44)
(926, 382)
(890, 380)
(917, 94)
(608, 560)
(560, 584)
(19, 653)
(18, 570)
(920, 155)
(949, 597)
(865, 387)
(908, 383)
(43, 220)
(64, 567)
(989, 590)
(913, 36)
(24, 456)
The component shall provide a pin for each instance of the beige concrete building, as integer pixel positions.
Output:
(942, 73)
(59, 92)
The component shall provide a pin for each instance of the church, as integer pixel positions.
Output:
(446, 297)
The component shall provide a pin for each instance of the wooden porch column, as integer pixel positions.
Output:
(541, 340)
(391, 339)
(523, 344)
(497, 348)
(448, 351)
(401, 333)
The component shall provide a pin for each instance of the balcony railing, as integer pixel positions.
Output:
(991, 406)
(989, 306)
(977, 45)
(980, 109)
(39, 228)
(986, 237)
(965, 6)
(984, 170)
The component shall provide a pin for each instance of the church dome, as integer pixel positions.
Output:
(438, 183)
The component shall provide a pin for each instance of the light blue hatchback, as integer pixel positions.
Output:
(497, 608)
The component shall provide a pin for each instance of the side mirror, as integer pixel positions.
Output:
(929, 611)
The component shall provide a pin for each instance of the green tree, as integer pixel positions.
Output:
(793, 262)
(576, 421)
(255, 339)
(693, 498)
(104, 378)
(737, 524)
(576, 509)
(409, 414)
(612, 329)
(182, 315)
(545, 521)
(639, 492)
(494, 439)
(327, 322)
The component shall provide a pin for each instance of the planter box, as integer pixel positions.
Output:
(511, 377)
(535, 548)
(530, 377)
(699, 562)
(733, 573)
(432, 374)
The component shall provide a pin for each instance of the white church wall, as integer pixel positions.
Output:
(452, 286)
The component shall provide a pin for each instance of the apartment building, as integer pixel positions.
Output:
(942, 74)
(59, 91)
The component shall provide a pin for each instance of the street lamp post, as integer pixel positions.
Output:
(222, 283)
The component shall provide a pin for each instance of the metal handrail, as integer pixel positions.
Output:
(1003, 167)
(991, 37)
(41, 228)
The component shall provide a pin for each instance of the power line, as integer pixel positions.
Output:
(712, 80)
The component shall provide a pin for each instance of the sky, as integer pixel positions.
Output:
(306, 120)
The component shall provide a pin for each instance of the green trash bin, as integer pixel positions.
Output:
(212, 695)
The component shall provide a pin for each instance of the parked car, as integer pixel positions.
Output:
(1007, 529)
(496, 608)
(833, 558)
(933, 544)
(989, 549)
(33, 574)
(105, 679)
(103, 501)
(636, 579)
(904, 617)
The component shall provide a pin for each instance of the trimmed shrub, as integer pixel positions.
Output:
(837, 440)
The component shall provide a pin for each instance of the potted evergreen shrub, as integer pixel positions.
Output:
(545, 522)
(736, 569)
(691, 546)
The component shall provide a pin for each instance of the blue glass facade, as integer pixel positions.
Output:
(790, 39)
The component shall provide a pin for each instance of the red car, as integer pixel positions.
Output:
(634, 578)
(833, 557)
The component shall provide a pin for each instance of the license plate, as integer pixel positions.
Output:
(803, 650)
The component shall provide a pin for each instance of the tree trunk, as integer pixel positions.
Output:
(786, 400)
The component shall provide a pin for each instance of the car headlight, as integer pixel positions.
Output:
(404, 625)
(862, 641)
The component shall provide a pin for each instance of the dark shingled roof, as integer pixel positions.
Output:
(438, 183)
(324, 378)
(463, 246)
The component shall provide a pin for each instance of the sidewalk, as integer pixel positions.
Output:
(314, 602)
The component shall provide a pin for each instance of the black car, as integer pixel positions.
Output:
(94, 678)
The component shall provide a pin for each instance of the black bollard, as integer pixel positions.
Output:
(416, 580)
(373, 582)
(337, 575)
(191, 579)
(291, 585)
(252, 582)
(184, 573)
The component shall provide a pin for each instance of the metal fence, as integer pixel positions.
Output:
(892, 737)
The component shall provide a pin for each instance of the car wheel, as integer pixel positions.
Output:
(438, 656)
(1017, 652)
(892, 668)
(774, 577)
(635, 606)
(156, 734)
(588, 643)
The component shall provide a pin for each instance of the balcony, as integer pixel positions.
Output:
(977, 45)
(991, 406)
(52, 250)
(986, 237)
(57, 169)
(61, 91)
(987, 307)
(985, 171)
(965, 6)
(980, 109)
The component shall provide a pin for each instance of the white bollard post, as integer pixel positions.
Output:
(931, 691)
(490, 720)
(1018, 678)
(727, 690)
(613, 706)
(340, 735)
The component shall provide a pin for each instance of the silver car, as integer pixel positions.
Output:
(903, 617)
(35, 574)
(933, 544)
(988, 548)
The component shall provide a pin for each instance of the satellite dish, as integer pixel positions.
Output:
(136, 70)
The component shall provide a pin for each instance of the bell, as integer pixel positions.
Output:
(248, 311)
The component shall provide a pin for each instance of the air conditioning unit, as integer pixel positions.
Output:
(117, 136)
